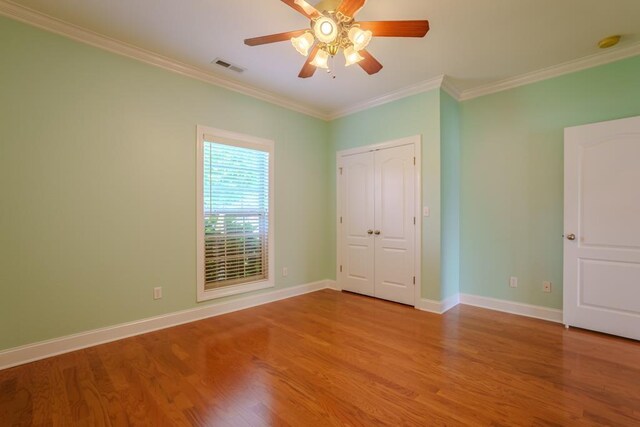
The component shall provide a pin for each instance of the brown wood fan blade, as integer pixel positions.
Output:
(351, 7)
(303, 7)
(308, 70)
(274, 38)
(396, 28)
(369, 63)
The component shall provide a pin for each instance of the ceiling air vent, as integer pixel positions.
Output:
(226, 64)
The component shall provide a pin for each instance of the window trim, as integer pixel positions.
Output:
(245, 141)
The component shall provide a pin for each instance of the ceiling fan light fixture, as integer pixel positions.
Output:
(332, 49)
(325, 29)
(333, 27)
(321, 60)
(303, 43)
(360, 38)
(352, 56)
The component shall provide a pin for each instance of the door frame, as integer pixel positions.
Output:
(416, 141)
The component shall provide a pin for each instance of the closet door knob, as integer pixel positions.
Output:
(377, 232)
(369, 232)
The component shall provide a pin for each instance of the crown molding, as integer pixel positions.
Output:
(48, 23)
(82, 35)
(425, 86)
(449, 87)
(580, 64)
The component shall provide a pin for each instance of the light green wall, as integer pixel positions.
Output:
(97, 181)
(450, 248)
(512, 176)
(415, 115)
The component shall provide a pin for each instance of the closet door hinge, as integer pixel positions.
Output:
(414, 220)
(414, 279)
(414, 161)
(340, 220)
(340, 171)
(340, 269)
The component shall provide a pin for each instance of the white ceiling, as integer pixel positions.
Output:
(474, 42)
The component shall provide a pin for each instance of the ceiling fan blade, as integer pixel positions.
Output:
(303, 7)
(396, 28)
(351, 7)
(369, 63)
(273, 38)
(308, 70)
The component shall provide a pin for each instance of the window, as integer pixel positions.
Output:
(235, 213)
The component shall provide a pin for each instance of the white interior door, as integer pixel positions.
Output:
(394, 221)
(602, 227)
(357, 195)
(377, 238)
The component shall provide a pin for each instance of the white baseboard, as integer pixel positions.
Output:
(429, 305)
(332, 284)
(535, 311)
(438, 307)
(449, 303)
(41, 350)
(527, 310)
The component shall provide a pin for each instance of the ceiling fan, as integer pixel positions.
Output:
(333, 28)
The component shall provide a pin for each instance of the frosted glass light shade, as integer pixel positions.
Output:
(359, 38)
(321, 60)
(303, 43)
(352, 56)
(325, 29)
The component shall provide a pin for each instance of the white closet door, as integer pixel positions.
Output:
(394, 171)
(357, 223)
(602, 226)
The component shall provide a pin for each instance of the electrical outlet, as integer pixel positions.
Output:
(546, 287)
(157, 293)
(513, 282)
(285, 271)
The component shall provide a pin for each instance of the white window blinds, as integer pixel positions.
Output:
(236, 215)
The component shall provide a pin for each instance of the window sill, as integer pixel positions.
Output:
(204, 295)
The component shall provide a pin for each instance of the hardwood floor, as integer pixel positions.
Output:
(330, 358)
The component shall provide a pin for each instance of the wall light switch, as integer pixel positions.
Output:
(285, 271)
(513, 282)
(157, 293)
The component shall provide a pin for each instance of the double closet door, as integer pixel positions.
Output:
(377, 223)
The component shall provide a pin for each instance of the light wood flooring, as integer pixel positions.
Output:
(332, 358)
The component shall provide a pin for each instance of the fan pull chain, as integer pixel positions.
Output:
(330, 69)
